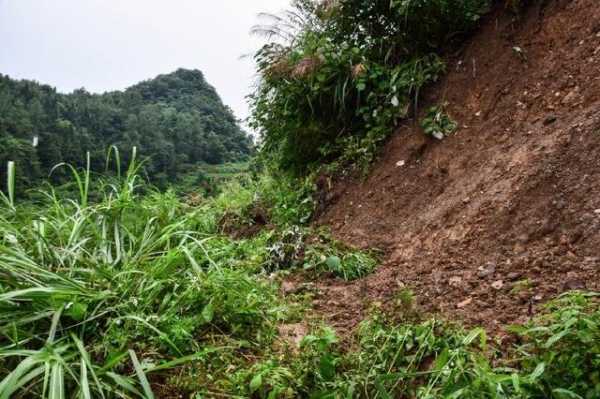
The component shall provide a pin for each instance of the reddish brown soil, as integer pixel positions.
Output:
(489, 223)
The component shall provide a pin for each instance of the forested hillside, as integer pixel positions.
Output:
(176, 120)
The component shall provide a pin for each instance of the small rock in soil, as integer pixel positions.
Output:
(290, 288)
(497, 285)
(572, 96)
(455, 281)
(549, 120)
(464, 303)
(574, 285)
(512, 276)
(487, 270)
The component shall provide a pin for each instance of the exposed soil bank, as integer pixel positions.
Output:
(505, 214)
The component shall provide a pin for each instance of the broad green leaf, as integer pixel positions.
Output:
(334, 263)
(256, 383)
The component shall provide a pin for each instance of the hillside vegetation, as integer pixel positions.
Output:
(177, 121)
(123, 290)
(341, 74)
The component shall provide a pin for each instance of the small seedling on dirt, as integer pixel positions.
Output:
(437, 123)
(405, 299)
(521, 286)
(404, 306)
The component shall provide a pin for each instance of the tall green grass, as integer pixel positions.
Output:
(9, 198)
(97, 296)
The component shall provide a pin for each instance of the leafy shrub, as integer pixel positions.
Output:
(349, 72)
(288, 201)
(326, 255)
(317, 252)
(562, 349)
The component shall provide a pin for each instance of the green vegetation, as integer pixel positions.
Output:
(177, 121)
(347, 72)
(111, 288)
(433, 359)
(437, 123)
(205, 179)
(96, 294)
(103, 298)
(81, 284)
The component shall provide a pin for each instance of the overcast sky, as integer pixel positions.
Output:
(105, 45)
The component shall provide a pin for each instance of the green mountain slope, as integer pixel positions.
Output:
(176, 120)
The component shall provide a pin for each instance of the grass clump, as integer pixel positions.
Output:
(562, 348)
(95, 296)
(556, 358)
(286, 201)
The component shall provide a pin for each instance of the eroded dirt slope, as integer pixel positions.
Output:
(489, 223)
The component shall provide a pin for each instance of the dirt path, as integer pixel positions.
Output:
(505, 214)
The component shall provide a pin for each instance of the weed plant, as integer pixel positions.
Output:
(557, 358)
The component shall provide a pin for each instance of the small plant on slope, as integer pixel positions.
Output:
(437, 123)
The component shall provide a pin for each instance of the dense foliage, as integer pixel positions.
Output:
(96, 294)
(430, 359)
(340, 74)
(176, 120)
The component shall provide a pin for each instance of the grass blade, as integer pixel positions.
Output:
(84, 383)
(87, 364)
(57, 387)
(11, 383)
(141, 376)
(10, 184)
(124, 383)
